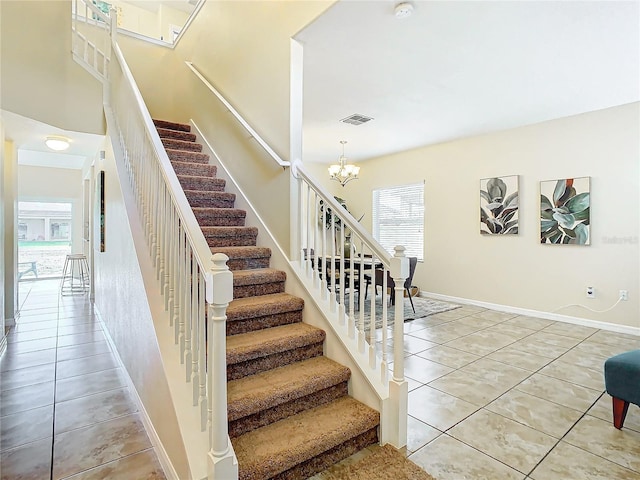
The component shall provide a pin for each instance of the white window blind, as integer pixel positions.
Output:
(398, 218)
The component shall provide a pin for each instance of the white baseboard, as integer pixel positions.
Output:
(161, 453)
(612, 327)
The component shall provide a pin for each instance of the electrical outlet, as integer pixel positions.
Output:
(624, 295)
(591, 293)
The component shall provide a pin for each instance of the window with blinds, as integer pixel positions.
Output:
(398, 218)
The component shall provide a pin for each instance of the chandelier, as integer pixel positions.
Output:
(343, 172)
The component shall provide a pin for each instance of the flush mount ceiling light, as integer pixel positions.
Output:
(57, 143)
(343, 172)
(403, 10)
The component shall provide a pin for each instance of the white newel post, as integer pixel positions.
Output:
(398, 387)
(222, 463)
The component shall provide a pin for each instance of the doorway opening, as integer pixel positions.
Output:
(44, 239)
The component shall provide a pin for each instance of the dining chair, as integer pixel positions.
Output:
(379, 277)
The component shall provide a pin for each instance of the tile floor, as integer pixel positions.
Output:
(65, 409)
(496, 396)
(492, 396)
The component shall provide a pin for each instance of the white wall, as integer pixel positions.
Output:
(121, 299)
(517, 270)
(3, 342)
(39, 78)
(44, 184)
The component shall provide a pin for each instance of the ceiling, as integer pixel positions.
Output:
(455, 69)
(29, 135)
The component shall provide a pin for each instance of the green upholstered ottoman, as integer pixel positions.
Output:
(622, 380)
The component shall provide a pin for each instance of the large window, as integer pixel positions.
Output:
(398, 218)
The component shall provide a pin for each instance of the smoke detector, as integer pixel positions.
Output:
(403, 10)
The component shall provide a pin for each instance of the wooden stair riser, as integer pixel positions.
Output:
(181, 145)
(186, 156)
(274, 414)
(176, 134)
(194, 169)
(268, 362)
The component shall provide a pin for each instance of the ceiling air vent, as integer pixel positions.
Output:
(356, 119)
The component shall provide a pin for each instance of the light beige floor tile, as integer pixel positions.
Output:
(559, 391)
(419, 434)
(508, 441)
(81, 338)
(603, 409)
(448, 356)
(570, 330)
(603, 439)
(581, 358)
(537, 413)
(470, 309)
(81, 385)
(585, 377)
(622, 340)
(10, 361)
(27, 462)
(88, 447)
(511, 356)
(26, 335)
(26, 427)
(604, 350)
(554, 339)
(449, 459)
(476, 321)
(537, 346)
(413, 384)
(27, 376)
(496, 316)
(567, 462)
(91, 409)
(439, 334)
(17, 348)
(531, 323)
(25, 398)
(482, 342)
(414, 345)
(468, 387)
(438, 409)
(496, 373)
(95, 363)
(424, 370)
(514, 331)
(34, 326)
(143, 465)
(84, 350)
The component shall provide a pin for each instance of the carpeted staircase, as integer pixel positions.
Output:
(290, 415)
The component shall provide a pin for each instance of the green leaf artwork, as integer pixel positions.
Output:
(565, 211)
(499, 205)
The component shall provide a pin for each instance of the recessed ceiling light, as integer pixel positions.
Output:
(57, 143)
(403, 10)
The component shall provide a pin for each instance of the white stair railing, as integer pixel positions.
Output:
(197, 286)
(338, 255)
(91, 38)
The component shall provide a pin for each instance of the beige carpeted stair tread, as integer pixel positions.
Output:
(190, 168)
(265, 390)
(209, 217)
(187, 156)
(171, 125)
(181, 145)
(229, 231)
(262, 343)
(277, 447)
(250, 307)
(207, 198)
(200, 182)
(177, 134)
(257, 276)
